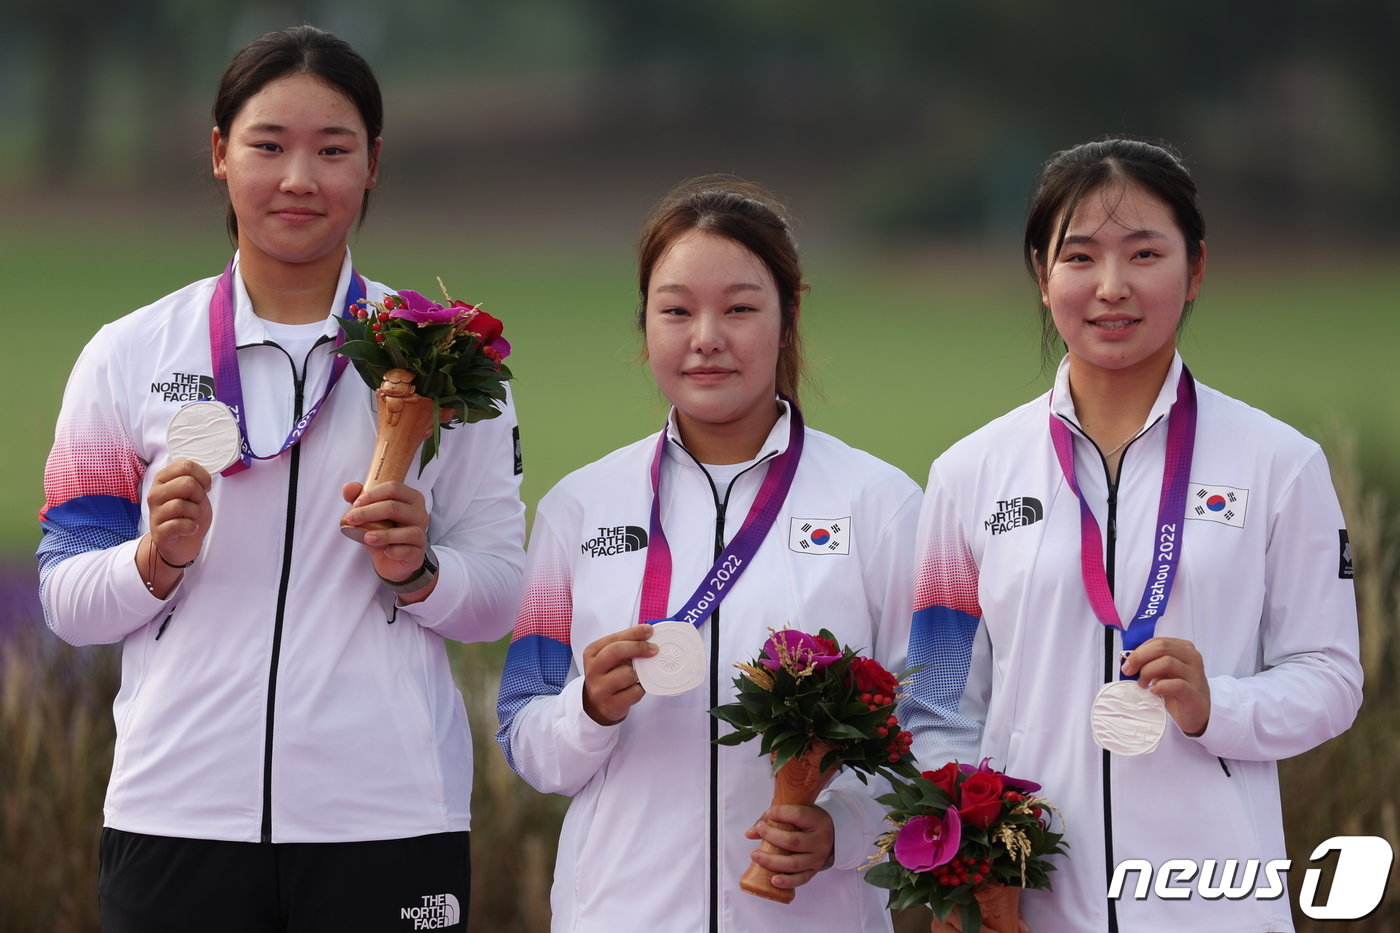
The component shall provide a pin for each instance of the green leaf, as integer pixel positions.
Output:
(734, 738)
(971, 916)
(884, 875)
(840, 730)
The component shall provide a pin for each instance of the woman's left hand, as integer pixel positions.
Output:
(397, 552)
(811, 843)
(1173, 669)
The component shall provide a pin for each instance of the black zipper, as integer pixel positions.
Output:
(1111, 662)
(721, 507)
(283, 583)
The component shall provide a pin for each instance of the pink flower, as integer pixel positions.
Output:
(420, 310)
(796, 650)
(499, 349)
(925, 842)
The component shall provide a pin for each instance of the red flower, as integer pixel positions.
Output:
(828, 646)
(871, 678)
(946, 777)
(484, 326)
(981, 798)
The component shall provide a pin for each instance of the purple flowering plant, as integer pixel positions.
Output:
(454, 351)
(959, 831)
(805, 691)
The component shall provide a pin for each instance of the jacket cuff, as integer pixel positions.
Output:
(449, 593)
(1229, 717)
(585, 735)
(131, 589)
(858, 820)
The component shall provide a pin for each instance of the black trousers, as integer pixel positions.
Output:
(160, 884)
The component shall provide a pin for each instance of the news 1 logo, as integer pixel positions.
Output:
(1358, 879)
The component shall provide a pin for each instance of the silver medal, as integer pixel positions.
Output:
(678, 665)
(205, 432)
(1127, 719)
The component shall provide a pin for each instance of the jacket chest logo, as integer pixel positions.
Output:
(1223, 504)
(184, 387)
(820, 535)
(1014, 513)
(615, 539)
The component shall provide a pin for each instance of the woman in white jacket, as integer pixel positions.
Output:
(663, 821)
(292, 753)
(1134, 524)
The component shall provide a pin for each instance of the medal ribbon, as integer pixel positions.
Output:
(228, 385)
(736, 557)
(1171, 513)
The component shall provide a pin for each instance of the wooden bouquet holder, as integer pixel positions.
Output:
(797, 782)
(405, 421)
(1000, 905)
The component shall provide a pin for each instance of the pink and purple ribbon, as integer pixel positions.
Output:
(1171, 513)
(228, 385)
(736, 557)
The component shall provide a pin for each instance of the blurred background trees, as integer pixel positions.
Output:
(892, 118)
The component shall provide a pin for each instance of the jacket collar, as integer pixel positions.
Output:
(774, 444)
(1062, 403)
(249, 329)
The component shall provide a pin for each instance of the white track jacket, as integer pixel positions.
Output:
(1263, 590)
(278, 694)
(654, 837)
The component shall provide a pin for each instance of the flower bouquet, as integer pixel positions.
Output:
(432, 366)
(816, 707)
(966, 838)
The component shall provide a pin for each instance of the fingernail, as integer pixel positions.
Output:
(371, 538)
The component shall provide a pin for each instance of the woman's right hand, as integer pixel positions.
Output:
(610, 686)
(180, 514)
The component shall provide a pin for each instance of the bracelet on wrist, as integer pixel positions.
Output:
(425, 575)
(161, 558)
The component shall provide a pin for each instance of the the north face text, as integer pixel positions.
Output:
(617, 539)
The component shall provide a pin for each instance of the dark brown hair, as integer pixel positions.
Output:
(1070, 176)
(298, 50)
(750, 216)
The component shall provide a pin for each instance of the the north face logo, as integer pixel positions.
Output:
(617, 539)
(437, 912)
(1014, 513)
(184, 387)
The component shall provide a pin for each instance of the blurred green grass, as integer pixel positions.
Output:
(908, 352)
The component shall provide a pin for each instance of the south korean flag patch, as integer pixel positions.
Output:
(820, 535)
(1223, 504)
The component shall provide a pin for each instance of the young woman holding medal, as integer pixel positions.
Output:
(292, 753)
(1133, 589)
(699, 539)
